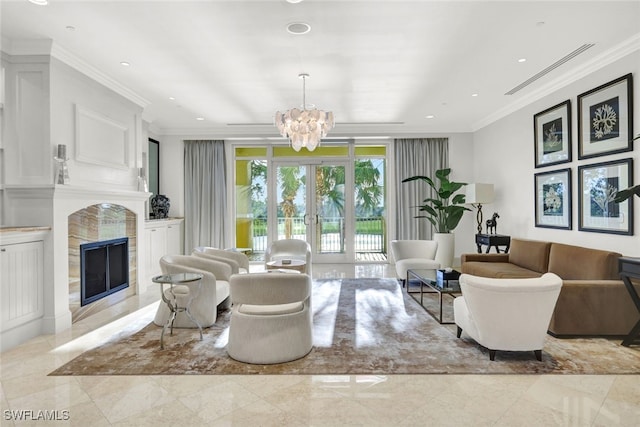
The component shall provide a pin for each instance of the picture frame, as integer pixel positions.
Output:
(552, 135)
(605, 119)
(553, 199)
(598, 185)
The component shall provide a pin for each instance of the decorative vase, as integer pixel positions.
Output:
(160, 206)
(446, 246)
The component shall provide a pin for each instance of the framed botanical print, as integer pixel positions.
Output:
(552, 135)
(553, 199)
(598, 185)
(605, 119)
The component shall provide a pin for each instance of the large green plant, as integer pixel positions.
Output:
(444, 210)
(623, 195)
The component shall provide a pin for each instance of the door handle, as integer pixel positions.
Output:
(316, 219)
(304, 219)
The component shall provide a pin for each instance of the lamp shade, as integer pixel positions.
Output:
(479, 193)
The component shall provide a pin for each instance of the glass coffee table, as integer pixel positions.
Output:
(428, 285)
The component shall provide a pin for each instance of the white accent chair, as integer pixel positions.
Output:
(289, 249)
(507, 314)
(213, 293)
(271, 319)
(413, 255)
(238, 261)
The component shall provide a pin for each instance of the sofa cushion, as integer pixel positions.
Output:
(530, 254)
(497, 270)
(593, 264)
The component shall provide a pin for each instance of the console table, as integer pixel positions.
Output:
(493, 240)
(630, 269)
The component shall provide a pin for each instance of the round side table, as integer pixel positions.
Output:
(177, 288)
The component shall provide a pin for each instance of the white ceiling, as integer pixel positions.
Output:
(380, 66)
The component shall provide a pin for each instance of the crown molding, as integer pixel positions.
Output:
(598, 62)
(97, 75)
(51, 48)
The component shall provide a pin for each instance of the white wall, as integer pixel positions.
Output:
(102, 130)
(504, 156)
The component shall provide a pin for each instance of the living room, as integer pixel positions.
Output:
(62, 93)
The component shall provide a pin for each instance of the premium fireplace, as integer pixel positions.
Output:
(104, 268)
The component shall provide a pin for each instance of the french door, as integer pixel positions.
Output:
(312, 203)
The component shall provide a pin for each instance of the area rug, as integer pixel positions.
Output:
(361, 326)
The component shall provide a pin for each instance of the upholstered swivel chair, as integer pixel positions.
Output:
(213, 293)
(414, 254)
(238, 261)
(290, 249)
(271, 319)
(507, 314)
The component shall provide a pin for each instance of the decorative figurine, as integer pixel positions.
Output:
(492, 224)
(62, 172)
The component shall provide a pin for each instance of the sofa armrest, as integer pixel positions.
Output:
(484, 258)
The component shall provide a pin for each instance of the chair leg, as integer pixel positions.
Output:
(459, 331)
(492, 355)
(538, 355)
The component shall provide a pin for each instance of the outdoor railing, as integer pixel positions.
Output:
(370, 233)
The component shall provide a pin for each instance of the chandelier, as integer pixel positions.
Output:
(304, 128)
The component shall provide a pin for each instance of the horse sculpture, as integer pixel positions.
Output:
(492, 224)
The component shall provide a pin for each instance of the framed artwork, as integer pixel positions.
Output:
(552, 134)
(598, 185)
(605, 119)
(553, 199)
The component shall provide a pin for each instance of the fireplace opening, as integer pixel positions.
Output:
(104, 269)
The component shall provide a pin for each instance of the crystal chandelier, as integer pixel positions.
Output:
(304, 128)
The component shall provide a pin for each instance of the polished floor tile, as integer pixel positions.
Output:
(292, 400)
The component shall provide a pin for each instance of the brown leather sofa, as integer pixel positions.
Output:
(593, 299)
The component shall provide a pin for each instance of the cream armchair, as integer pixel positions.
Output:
(214, 290)
(290, 249)
(238, 261)
(271, 319)
(414, 254)
(507, 314)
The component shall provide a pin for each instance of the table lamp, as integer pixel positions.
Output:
(476, 195)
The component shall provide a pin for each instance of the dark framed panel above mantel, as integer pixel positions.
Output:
(154, 166)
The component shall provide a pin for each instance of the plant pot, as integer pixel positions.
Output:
(446, 246)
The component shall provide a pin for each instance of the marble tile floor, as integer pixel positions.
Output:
(333, 400)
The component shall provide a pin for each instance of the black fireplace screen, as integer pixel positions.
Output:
(104, 269)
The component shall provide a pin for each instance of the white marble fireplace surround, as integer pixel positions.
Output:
(51, 206)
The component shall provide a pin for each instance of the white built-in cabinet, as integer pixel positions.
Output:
(161, 237)
(21, 286)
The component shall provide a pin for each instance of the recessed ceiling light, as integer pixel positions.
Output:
(200, 118)
(70, 28)
(294, 1)
(474, 94)
(124, 63)
(522, 60)
(40, 2)
(298, 28)
(172, 98)
(430, 116)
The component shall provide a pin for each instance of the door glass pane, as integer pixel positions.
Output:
(370, 238)
(251, 206)
(330, 209)
(291, 202)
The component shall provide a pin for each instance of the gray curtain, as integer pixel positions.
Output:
(205, 194)
(416, 156)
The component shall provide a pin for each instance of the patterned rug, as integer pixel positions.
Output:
(361, 326)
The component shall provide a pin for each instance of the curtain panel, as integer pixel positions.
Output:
(205, 194)
(416, 156)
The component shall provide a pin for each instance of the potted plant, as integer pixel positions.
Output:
(623, 195)
(443, 210)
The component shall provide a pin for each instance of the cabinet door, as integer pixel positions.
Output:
(21, 283)
(174, 239)
(157, 248)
